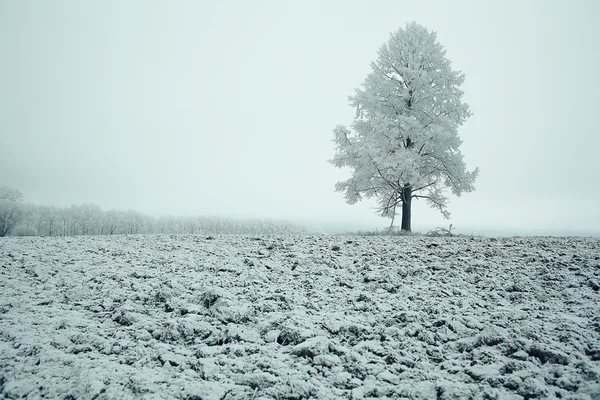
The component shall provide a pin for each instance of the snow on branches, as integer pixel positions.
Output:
(403, 142)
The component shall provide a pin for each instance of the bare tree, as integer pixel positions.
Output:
(10, 209)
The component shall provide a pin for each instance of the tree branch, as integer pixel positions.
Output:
(424, 187)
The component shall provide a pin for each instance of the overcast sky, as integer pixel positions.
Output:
(227, 108)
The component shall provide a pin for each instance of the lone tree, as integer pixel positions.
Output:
(403, 143)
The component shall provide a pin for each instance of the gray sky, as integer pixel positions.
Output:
(195, 108)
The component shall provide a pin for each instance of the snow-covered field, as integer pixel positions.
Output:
(234, 317)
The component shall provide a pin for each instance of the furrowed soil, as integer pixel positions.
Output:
(303, 317)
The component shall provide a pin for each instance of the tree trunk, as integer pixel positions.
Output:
(406, 202)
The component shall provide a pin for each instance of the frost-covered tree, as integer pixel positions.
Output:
(113, 221)
(10, 209)
(403, 143)
(9, 194)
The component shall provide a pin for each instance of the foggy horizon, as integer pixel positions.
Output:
(228, 110)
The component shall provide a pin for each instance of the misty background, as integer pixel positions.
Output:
(227, 108)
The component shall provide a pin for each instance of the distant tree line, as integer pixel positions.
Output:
(23, 219)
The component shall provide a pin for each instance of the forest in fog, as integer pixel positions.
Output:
(25, 219)
(90, 219)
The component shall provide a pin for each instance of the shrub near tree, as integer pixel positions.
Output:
(403, 143)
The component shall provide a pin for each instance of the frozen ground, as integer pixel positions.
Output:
(190, 317)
